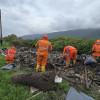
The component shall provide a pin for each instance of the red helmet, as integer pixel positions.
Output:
(45, 37)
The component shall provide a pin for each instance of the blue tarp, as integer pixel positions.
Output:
(73, 94)
(90, 60)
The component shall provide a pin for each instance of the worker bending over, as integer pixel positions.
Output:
(43, 48)
(10, 55)
(96, 49)
(70, 54)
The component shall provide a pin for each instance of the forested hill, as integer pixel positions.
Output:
(81, 33)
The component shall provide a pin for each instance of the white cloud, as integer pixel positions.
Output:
(37, 16)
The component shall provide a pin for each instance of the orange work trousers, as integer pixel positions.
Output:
(42, 60)
(71, 57)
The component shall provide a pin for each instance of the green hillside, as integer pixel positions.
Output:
(79, 33)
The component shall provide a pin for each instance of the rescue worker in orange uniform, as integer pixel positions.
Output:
(70, 54)
(10, 56)
(96, 49)
(43, 48)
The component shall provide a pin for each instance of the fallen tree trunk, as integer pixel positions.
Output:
(44, 82)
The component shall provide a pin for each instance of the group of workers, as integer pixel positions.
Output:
(44, 47)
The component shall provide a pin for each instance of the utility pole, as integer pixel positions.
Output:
(1, 39)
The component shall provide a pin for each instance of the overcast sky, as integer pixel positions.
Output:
(23, 17)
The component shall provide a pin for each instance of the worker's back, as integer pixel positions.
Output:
(43, 46)
(70, 48)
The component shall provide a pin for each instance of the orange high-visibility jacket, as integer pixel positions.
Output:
(10, 54)
(43, 47)
(96, 49)
(70, 50)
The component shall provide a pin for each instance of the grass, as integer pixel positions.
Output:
(9, 91)
(2, 61)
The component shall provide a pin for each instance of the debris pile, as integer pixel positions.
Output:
(25, 57)
(79, 74)
(82, 75)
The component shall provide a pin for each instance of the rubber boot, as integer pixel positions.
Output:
(43, 69)
(37, 68)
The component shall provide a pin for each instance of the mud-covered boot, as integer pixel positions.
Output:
(37, 68)
(43, 69)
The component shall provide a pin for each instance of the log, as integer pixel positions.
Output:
(44, 82)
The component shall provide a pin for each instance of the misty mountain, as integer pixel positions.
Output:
(81, 33)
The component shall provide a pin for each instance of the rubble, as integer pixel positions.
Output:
(25, 57)
(78, 74)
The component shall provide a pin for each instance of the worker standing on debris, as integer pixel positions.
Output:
(10, 55)
(43, 48)
(70, 54)
(96, 49)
